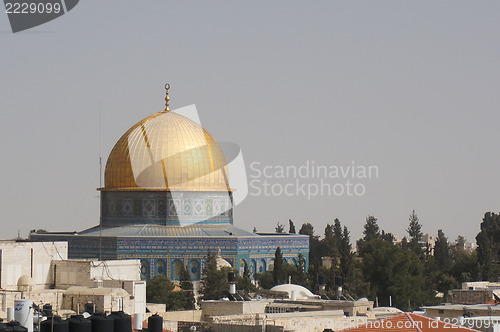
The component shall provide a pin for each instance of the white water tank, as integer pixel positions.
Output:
(23, 313)
(138, 318)
(10, 314)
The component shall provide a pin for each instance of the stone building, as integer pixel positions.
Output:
(32, 259)
(40, 271)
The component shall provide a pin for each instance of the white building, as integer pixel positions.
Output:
(42, 272)
(31, 259)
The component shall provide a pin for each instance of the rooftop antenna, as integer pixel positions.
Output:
(100, 147)
(100, 182)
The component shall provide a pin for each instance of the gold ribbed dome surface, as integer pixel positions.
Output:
(166, 151)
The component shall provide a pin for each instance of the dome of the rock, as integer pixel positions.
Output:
(166, 151)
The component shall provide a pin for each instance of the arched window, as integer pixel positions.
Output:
(145, 273)
(194, 269)
(271, 264)
(242, 267)
(262, 266)
(252, 268)
(161, 267)
(176, 269)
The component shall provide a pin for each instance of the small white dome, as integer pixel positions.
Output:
(221, 262)
(25, 283)
(301, 293)
(25, 280)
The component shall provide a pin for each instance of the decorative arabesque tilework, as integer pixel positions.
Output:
(137, 207)
(149, 207)
(112, 206)
(188, 207)
(199, 207)
(162, 208)
(172, 210)
(119, 208)
(209, 207)
(217, 207)
(127, 207)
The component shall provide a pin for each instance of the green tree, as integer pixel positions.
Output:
(315, 247)
(329, 243)
(371, 231)
(445, 283)
(214, 282)
(390, 271)
(279, 273)
(389, 237)
(352, 278)
(291, 228)
(298, 272)
(244, 282)
(265, 279)
(307, 229)
(465, 267)
(488, 247)
(442, 253)
(280, 228)
(415, 235)
(187, 290)
(158, 288)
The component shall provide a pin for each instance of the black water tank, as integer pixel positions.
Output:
(101, 323)
(338, 281)
(47, 309)
(123, 322)
(321, 279)
(57, 322)
(15, 326)
(155, 323)
(89, 307)
(78, 323)
(231, 277)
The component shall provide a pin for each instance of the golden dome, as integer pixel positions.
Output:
(166, 151)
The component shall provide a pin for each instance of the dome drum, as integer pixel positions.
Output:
(168, 208)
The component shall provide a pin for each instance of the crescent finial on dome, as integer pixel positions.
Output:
(167, 98)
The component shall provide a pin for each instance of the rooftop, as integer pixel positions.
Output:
(150, 230)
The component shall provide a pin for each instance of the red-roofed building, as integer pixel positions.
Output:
(409, 322)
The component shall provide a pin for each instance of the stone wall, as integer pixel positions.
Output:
(220, 308)
(105, 299)
(88, 272)
(312, 321)
(29, 258)
(459, 296)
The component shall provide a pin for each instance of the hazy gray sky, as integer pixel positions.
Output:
(408, 86)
